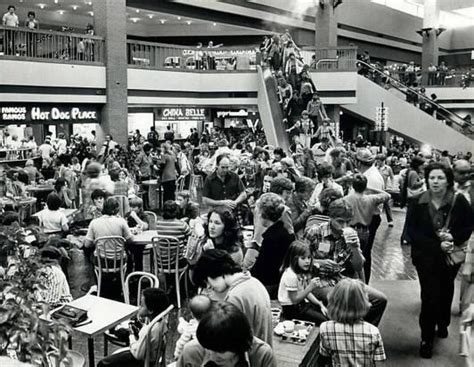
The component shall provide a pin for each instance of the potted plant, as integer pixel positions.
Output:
(25, 335)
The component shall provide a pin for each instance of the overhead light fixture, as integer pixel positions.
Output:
(91, 13)
(162, 21)
(179, 18)
(150, 16)
(61, 12)
(134, 20)
(89, 3)
(74, 7)
(424, 32)
(137, 11)
(188, 22)
(214, 24)
(42, 6)
(439, 31)
(56, 1)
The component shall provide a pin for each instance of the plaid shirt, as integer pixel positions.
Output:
(357, 345)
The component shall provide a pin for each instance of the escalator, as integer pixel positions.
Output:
(270, 110)
(454, 134)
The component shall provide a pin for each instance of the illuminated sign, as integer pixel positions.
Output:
(182, 113)
(27, 113)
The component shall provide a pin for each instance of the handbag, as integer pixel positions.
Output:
(70, 314)
(458, 254)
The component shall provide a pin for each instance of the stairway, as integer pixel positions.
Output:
(270, 110)
(407, 119)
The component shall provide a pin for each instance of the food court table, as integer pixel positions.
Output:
(154, 193)
(295, 355)
(103, 314)
(40, 192)
(68, 212)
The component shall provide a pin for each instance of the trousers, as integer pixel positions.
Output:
(367, 249)
(437, 289)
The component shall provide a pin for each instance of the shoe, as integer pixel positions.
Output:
(442, 332)
(426, 349)
(390, 224)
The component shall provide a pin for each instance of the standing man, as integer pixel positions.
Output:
(224, 187)
(10, 19)
(169, 134)
(365, 164)
(152, 137)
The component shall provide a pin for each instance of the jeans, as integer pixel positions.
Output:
(169, 188)
(437, 289)
(388, 211)
(367, 250)
(378, 302)
(304, 311)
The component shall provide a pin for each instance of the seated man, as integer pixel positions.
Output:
(154, 301)
(299, 205)
(338, 255)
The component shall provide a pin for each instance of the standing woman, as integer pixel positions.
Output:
(436, 220)
(169, 173)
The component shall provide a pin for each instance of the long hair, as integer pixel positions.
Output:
(231, 234)
(296, 250)
(348, 301)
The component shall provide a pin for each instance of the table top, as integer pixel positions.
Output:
(150, 182)
(145, 236)
(68, 212)
(103, 312)
(20, 200)
(293, 355)
(40, 188)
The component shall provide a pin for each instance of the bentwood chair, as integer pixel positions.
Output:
(151, 219)
(168, 259)
(155, 355)
(144, 280)
(124, 207)
(110, 258)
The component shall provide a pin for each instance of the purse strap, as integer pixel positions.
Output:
(448, 218)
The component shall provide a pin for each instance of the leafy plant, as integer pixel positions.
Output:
(24, 335)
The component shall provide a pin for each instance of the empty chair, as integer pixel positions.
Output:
(168, 259)
(123, 202)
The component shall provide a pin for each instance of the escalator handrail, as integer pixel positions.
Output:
(417, 93)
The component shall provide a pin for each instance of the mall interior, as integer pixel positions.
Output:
(386, 72)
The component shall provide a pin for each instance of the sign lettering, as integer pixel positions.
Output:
(28, 113)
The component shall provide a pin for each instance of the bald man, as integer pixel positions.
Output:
(463, 177)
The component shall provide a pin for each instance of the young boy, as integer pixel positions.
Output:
(198, 306)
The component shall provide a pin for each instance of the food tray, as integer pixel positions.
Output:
(295, 337)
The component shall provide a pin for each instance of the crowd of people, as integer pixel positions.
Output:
(314, 218)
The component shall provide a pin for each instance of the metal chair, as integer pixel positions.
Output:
(168, 252)
(151, 219)
(110, 258)
(142, 276)
(160, 348)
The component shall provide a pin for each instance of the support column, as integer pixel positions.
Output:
(430, 51)
(110, 22)
(326, 29)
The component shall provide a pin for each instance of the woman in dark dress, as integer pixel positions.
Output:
(437, 220)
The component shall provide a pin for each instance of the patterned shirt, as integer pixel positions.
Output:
(357, 345)
(57, 288)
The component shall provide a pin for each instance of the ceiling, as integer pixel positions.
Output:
(78, 13)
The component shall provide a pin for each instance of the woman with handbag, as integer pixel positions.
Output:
(439, 222)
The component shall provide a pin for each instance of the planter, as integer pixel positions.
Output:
(73, 359)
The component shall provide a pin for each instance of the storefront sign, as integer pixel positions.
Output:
(182, 113)
(28, 113)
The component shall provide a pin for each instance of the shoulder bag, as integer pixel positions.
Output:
(458, 254)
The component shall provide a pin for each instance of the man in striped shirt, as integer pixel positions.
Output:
(170, 225)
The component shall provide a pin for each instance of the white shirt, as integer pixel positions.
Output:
(375, 181)
(52, 220)
(45, 150)
(10, 20)
(320, 187)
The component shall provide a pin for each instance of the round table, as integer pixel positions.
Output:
(154, 198)
(20, 203)
(145, 237)
(40, 192)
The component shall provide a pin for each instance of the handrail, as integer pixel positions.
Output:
(51, 32)
(324, 60)
(194, 48)
(440, 107)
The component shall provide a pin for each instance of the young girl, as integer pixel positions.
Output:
(347, 339)
(296, 285)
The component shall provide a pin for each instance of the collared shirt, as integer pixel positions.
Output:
(438, 216)
(229, 189)
(359, 344)
(56, 286)
(375, 181)
(10, 20)
(465, 190)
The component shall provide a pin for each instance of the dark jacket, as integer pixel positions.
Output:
(276, 241)
(422, 233)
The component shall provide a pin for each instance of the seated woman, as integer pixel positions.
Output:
(224, 338)
(136, 217)
(221, 232)
(154, 301)
(51, 219)
(56, 288)
(61, 188)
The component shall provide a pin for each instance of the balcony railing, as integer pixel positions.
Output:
(332, 59)
(51, 45)
(163, 56)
